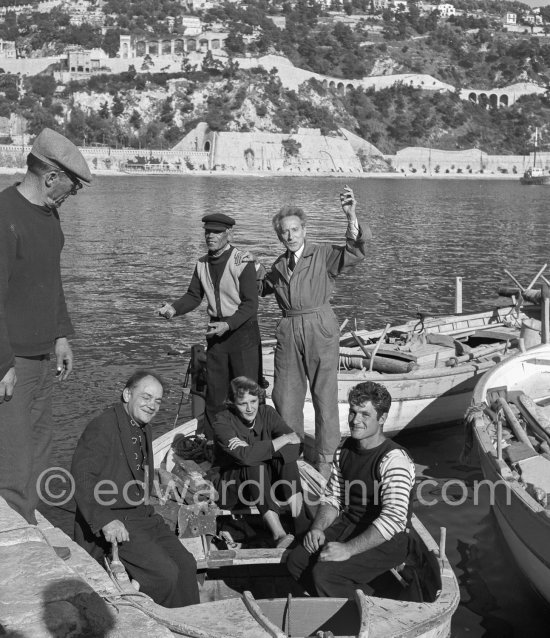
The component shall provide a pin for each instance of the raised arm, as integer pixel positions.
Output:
(339, 258)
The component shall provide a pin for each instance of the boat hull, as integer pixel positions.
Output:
(524, 523)
(542, 180)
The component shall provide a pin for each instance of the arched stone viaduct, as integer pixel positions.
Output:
(492, 98)
(497, 98)
(292, 77)
(383, 81)
(136, 47)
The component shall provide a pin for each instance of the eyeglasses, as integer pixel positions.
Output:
(77, 184)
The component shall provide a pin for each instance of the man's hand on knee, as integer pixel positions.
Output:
(335, 551)
(314, 540)
(115, 532)
(7, 384)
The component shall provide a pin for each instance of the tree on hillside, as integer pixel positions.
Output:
(76, 129)
(104, 111)
(167, 111)
(111, 42)
(42, 85)
(117, 107)
(136, 120)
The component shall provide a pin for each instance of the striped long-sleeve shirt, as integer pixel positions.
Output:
(372, 487)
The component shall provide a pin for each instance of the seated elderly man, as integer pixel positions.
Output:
(256, 450)
(113, 470)
(360, 529)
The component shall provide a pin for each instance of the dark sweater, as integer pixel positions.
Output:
(268, 425)
(359, 470)
(33, 312)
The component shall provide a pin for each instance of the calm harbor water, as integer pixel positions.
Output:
(132, 243)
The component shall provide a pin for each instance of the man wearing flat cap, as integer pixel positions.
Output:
(33, 316)
(233, 336)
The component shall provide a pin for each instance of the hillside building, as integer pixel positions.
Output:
(510, 18)
(191, 24)
(400, 6)
(17, 9)
(7, 49)
(446, 10)
(198, 5)
(80, 63)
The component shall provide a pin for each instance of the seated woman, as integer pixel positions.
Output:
(254, 444)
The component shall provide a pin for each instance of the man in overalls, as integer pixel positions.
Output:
(302, 279)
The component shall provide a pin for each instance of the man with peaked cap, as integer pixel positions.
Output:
(34, 321)
(233, 336)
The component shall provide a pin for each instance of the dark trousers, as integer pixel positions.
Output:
(340, 579)
(257, 485)
(153, 556)
(26, 429)
(221, 368)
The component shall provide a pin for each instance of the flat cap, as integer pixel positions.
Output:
(55, 149)
(218, 221)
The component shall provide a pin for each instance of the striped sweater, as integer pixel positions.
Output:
(372, 487)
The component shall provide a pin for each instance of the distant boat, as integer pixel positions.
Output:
(535, 175)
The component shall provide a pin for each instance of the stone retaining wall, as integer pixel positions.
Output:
(428, 161)
(43, 596)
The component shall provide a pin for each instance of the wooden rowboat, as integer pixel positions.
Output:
(430, 366)
(423, 608)
(510, 424)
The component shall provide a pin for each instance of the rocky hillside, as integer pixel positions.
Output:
(156, 110)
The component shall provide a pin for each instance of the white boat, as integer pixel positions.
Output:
(510, 421)
(423, 608)
(429, 366)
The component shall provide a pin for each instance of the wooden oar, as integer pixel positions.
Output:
(536, 277)
(360, 344)
(521, 288)
(378, 344)
(514, 423)
(476, 353)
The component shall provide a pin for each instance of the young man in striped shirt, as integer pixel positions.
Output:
(360, 530)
